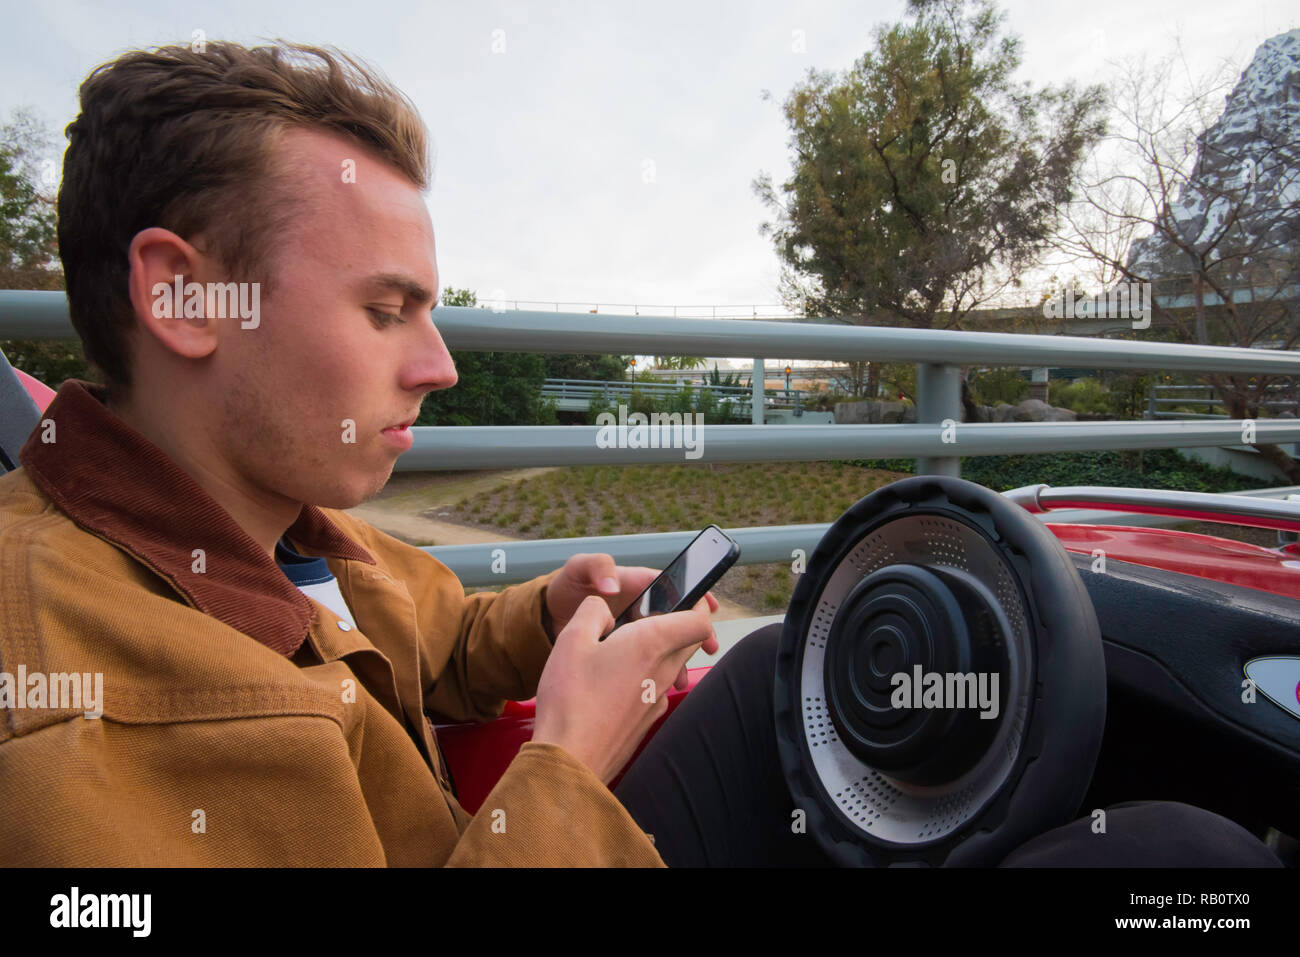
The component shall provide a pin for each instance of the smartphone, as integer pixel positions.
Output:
(688, 576)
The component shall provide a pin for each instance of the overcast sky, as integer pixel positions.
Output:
(544, 148)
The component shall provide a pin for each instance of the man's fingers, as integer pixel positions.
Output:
(677, 630)
(683, 680)
(590, 621)
(637, 579)
(597, 570)
(710, 644)
(634, 581)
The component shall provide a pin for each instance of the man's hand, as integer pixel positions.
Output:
(596, 574)
(598, 699)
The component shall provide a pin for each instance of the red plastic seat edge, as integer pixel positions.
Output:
(41, 393)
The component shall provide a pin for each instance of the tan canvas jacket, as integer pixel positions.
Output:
(242, 722)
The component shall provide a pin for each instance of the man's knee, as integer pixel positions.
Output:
(755, 652)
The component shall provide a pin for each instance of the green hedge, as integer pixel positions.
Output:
(1150, 468)
(686, 399)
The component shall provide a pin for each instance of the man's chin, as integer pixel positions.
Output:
(346, 498)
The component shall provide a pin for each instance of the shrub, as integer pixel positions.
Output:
(992, 386)
(1152, 468)
(1087, 395)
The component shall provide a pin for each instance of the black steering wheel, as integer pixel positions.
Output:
(940, 686)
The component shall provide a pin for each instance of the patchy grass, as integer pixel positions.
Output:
(625, 500)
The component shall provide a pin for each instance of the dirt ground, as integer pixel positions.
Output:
(400, 508)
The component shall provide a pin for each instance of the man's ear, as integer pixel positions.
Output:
(158, 261)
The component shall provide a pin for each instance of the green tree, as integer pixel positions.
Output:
(1005, 384)
(732, 380)
(28, 245)
(558, 365)
(583, 366)
(29, 257)
(493, 388)
(925, 178)
(680, 362)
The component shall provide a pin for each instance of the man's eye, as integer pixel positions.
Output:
(387, 317)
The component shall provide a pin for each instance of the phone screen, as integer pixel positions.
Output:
(709, 549)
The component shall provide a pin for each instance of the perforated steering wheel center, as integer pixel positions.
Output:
(872, 777)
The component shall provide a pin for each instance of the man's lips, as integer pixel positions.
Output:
(401, 434)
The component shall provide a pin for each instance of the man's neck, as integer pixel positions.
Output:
(263, 519)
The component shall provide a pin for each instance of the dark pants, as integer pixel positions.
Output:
(709, 788)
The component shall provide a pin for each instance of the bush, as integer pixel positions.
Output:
(888, 465)
(998, 385)
(1087, 396)
(685, 400)
(53, 361)
(495, 388)
(1128, 393)
(567, 366)
(1152, 468)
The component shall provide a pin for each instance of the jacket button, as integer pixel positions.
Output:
(344, 626)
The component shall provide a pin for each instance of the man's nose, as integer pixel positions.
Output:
(439, 369)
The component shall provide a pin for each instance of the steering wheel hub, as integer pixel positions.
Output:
(915, 672)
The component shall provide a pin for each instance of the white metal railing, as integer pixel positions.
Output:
(937, 440)
(1198, 395)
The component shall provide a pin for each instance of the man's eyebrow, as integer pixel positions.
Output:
(410, 288)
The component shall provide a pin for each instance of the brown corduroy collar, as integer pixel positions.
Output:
(118, 485)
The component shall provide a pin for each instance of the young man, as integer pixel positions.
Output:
(244, 722)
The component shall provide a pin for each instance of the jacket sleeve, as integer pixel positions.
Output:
(500, 651)
(476, 651)
(550, 810)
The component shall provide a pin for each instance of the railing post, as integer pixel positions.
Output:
(756, 393)
(938, 399)
(1038, 383)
